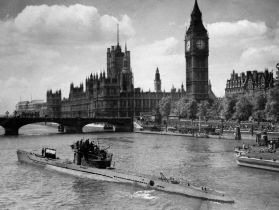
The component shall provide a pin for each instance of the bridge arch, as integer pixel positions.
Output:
(2, 130)
(39, 128)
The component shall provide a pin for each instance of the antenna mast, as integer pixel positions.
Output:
(117, 34)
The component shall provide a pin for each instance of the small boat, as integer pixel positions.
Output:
(263, 155)
(257, 162)
(201, 135)
(97, 165)
(108, 127)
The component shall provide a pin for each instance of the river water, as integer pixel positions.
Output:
(207, 162)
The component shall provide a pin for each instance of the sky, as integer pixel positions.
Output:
(48, 44)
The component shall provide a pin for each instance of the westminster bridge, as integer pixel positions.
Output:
(70, 125)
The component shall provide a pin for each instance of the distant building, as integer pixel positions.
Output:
(34, 108)
(252, 81)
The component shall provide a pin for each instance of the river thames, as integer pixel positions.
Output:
(204, 162)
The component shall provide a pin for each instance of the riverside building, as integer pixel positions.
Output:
(33, 108)
(251, 81)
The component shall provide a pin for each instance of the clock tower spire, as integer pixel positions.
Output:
(196, 54)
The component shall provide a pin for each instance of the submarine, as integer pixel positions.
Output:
(90, 161)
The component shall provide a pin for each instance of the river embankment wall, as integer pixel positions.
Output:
(227, 135)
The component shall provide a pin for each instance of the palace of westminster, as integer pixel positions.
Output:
(112, 94)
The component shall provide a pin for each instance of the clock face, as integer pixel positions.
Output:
(200, 44)
(188, 46)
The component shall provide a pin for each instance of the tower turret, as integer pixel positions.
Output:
(196, 54)
(89, 85)
(157, 81)
(54, 103)
(126, 76)
(196, 24)
(115, 59)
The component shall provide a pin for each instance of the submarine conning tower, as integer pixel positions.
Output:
(90, 154)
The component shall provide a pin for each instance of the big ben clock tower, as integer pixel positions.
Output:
(196, 54)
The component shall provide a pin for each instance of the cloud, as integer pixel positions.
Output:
(238, 29)
(8, 89)
(163, 54)
(255, 57)
(12, 82)
(235, 34)
(63, 24)
(164, 47)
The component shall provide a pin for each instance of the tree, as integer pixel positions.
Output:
(158, 117)
(215, 110)
(259, 102)
(259, 115)
(272, 105)
(229, 103)
(203, 108)
(243, 108)
(165, 106)
(192, 109)
(181, 107)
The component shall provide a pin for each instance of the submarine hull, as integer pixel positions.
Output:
(114, 175)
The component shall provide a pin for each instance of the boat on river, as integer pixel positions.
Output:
(90, 161)
(263, 155)
(108, 127)
(255, 162)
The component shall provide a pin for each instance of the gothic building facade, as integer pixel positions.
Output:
(112, 94)
(252, 81)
